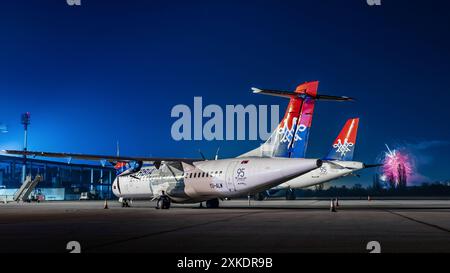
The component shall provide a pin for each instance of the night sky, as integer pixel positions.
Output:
(112, 70)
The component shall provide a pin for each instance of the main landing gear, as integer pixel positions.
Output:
(212, 203)
(163, 202)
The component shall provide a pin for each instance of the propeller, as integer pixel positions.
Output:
(201, 154)
(217, 154)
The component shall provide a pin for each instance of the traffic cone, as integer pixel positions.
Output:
(337, 202)
(332, 207)
(105, 206)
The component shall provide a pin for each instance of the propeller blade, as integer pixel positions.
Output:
(217, 154)
(202, 155)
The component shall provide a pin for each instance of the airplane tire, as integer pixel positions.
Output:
(125, 204)
(165, 203)
(213, 203)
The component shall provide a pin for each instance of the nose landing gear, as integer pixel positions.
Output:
(125, 202)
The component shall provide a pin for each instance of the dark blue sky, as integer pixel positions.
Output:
(113, 70)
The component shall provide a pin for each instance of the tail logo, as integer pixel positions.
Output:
(343, 148)
(287, 133)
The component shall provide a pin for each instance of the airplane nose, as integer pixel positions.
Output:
(114, 188)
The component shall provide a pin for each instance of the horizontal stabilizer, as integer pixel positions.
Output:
(372, 165)
(290, 94)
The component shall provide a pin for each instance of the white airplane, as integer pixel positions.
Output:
(190, 180)
(338, 163)
(291, 138)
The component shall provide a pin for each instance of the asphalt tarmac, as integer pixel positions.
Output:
(271, 226)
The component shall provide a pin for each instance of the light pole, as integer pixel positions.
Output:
(25, 121)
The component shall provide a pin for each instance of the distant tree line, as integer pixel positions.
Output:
(377, 189)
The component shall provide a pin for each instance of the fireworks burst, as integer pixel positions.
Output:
(397, 167)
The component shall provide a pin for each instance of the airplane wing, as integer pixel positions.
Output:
(155, 160)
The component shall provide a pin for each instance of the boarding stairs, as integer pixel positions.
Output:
(27, 187)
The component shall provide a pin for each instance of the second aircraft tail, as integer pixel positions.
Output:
(343, 146)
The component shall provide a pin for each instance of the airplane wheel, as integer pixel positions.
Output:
(166, 203)
(163, 203)
(213, 203)
(125, 204)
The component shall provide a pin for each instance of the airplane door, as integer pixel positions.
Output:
(229, 176)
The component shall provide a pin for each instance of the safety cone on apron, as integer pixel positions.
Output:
(332, 206)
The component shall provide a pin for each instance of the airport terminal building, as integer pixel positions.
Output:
(60, 180)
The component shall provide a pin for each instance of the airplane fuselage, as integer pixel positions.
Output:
(204, 180)
(327, 172)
